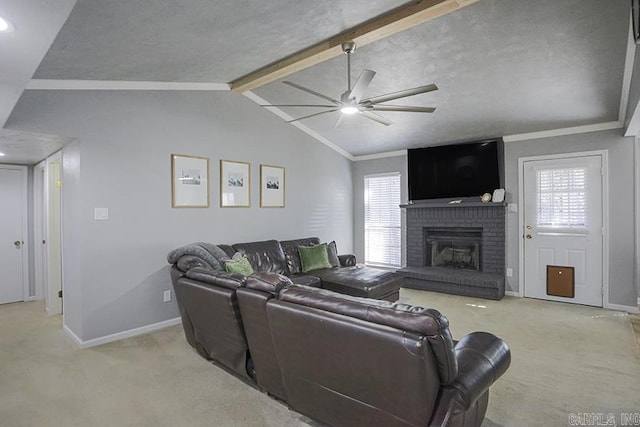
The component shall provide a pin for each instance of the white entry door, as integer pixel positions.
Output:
(563, 229)
(13, 255)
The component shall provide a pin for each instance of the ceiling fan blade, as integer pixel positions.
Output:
(312, 92)
(297, 105)
(376, 118)
(400, 94)
(313, 115)
(403, 108)
(362, 84)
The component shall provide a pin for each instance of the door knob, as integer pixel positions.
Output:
(528, 236)
(17, 243)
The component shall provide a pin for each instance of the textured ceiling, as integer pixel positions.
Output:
(502, 66)
(193, 40)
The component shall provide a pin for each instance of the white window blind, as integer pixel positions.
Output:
(562, 198)
(382, 234)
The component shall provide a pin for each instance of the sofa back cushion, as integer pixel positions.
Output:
(264, 256)
(367, 374)
(290, 248)
(423, 321)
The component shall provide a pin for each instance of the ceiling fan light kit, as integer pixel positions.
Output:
(351, 101)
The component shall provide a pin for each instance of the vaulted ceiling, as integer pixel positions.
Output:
(503, 67)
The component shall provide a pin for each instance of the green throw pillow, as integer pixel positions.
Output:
(314, 257)
(240, 266)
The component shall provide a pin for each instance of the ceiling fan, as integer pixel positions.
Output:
(352, 101)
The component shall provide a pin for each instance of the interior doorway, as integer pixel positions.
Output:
(14, 255)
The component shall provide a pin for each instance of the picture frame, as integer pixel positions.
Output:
(189, 181)
(272, 186)
(235, 184)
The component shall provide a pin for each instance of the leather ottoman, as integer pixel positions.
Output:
(361, 281)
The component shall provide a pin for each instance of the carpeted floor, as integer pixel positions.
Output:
(566, 359)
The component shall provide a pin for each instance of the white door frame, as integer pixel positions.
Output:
(25, 227)
(53, 304)
(604, 154)
(39, 230)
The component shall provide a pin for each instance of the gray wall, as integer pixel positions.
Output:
(634, 88)
(621, 200)
(370, 167)
(115, 270)
(622, 289)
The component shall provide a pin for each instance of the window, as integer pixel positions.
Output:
(562, 198)
(382, 234)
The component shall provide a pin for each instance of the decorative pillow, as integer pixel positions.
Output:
(332, 253)
(240, 266)
(314, 257)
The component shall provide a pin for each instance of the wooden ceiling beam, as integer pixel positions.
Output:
(385, 25)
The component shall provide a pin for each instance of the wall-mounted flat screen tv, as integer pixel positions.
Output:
(456, 170)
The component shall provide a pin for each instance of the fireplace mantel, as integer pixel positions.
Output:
(429, 205)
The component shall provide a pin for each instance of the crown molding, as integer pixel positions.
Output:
(562, 131)
(385, 155)
(51, 84)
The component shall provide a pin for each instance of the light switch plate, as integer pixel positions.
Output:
(101, 214)
(513, 207)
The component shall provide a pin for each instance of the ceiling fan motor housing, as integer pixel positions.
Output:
(348, 47)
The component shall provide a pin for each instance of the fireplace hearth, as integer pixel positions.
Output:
(456, 248)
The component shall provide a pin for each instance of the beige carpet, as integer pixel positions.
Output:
(566, 359)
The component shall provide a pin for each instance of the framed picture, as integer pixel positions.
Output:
(271, 186)
(235, 184)
(189, 181)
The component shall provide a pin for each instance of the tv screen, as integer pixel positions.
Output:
(453, 171)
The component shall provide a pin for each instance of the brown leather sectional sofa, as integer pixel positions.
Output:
(339, 359)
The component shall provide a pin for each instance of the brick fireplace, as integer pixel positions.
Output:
(456, 248)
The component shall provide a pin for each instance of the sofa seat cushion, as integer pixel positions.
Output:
(360, 281)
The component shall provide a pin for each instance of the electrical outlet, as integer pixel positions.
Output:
(167, 296)
(509, 272)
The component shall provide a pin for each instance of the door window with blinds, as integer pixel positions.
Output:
(382, 232)
(561, 198)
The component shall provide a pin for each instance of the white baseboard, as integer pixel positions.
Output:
(511, 293)
(120, 335)
(619, 307)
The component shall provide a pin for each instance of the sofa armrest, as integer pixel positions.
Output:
(482, 359)
(268, 282)
(347, 260)
(217, 277)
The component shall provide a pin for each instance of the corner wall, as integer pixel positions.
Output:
(116, 270)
